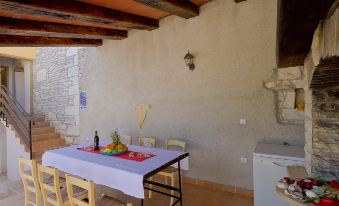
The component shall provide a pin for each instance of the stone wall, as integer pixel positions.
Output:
(325, 156)
(56, 74)
(321, 105)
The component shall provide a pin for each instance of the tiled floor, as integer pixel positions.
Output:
(11, 194)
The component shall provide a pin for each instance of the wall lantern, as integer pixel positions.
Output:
(189, 61)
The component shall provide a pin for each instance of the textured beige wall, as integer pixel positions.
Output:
(234, 46)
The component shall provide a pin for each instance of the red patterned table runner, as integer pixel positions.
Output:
(136, 156)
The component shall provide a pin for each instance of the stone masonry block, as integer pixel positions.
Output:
(71, 51)
(286, 99)
(73, 71)
(289, 73)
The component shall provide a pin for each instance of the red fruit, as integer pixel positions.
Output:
(287, 180)
(315, 182)
(301, 183)
(327, 204)
(334, 184)
(308, 186)
(328, 200)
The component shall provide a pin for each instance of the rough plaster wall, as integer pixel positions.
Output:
(56, 88)
(14, 150)
(234, 48)
(3, 150)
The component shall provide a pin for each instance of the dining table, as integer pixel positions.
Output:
(129, 173)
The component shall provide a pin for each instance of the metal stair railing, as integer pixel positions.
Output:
(13, 113)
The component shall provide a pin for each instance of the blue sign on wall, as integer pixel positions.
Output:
(83, 99)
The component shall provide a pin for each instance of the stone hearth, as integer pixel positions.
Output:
(322, 100)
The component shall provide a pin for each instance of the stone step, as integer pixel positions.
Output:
(46, 136)
(41, 124)
(42, 130)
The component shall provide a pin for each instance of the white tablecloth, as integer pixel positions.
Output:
(124, 175)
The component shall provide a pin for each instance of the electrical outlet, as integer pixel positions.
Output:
(243, 160)
(243, 121)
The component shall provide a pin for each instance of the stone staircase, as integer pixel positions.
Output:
(44, 137)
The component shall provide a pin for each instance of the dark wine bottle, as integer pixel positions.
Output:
(96, 141)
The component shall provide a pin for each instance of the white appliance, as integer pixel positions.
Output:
(270, 163)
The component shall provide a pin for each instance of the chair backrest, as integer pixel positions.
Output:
(150, 140)
(125, 139)
(29, 176)
(176, 143)
(50, 189)
(72, 182)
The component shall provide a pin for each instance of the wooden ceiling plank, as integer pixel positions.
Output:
(67, 10)
(183, 8)
(29, 41)
(20, 27)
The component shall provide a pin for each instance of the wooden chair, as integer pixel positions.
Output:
(54, 192)
(150, 140)
(170, 172)
(126, 139)
(29, 176)
(72, 182)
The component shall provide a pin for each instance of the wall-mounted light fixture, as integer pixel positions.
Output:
(189, 61)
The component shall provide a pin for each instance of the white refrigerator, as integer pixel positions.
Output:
(270, 163)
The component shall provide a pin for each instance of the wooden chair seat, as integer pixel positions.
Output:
(50, 180)
(168, 170)
(109, 201)
(88, 186)
(78, 192)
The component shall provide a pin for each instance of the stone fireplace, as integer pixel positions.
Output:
(321, 70)
(319, 78)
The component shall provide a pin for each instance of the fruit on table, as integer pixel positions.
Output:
(282, 185)
(327, 201)
(334, 184)
(310, 194)
(112, 148)
(312, 190)
(287, 180)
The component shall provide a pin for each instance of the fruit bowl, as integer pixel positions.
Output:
(113, 153)
(114, 149)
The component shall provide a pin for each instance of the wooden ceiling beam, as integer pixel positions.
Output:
(21, 27)
(72, 12)
(183, 8)
(29, 41)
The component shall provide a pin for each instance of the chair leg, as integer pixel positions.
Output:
(172, 192)
(38, 198)
(26, 197)
(166, 180)
(150, 191)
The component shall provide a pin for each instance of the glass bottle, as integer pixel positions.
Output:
(96, 141)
